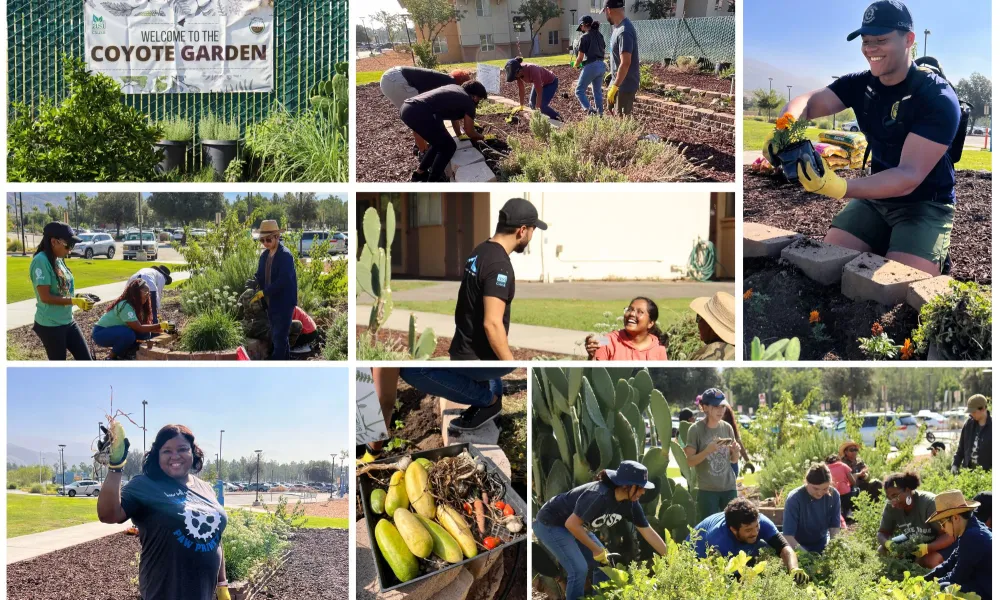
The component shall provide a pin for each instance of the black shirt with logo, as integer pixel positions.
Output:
(595, 504)
(488, 272)
(449, 102)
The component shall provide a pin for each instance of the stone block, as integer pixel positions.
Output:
(764, 240)
(466, 156)
(922, 292)
(480, 565)
(367, 576)
(487, 585)
(475, 173)
(871, 277)
(461, 144)
(459, 588)
(821, 262)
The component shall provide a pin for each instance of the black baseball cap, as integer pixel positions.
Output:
(614, 4)
(585, 20)
(630, 472)
(518, 211)
(884, 16)
(60, 231)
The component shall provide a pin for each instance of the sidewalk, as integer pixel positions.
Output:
(589, 290)
(530, 337)
(22, 313)
(29, 546)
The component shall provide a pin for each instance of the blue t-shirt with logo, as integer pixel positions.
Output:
(596, 506)
(180, 530)
(716, 534)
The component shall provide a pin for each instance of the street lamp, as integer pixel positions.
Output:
(769, 80)
(62, 463)
(221, 431)
(144, 403)
(333, 473)
(256, 502)
(789, 93)
(927, 32)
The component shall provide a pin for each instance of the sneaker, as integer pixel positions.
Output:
(417, 176)
(475, 417)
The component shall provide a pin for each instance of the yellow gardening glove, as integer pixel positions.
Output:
(463, 138)
(602, 556)
(800, 576)
(828, 184)
(83, 303)
(222, 593)
(489, 137)
(612, 95)
(167, 327)
(921, 551)
(257, 297)
(768, 153)
(888, 545)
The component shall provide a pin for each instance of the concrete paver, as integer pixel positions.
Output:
(922, 292)
(821, 262)
(29, 546)
(763, 240)
(871, 277)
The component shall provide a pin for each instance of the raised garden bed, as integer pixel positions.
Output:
(699, 81)
(96, 570)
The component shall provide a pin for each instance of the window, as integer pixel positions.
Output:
(440, 46)
(482, 8)
(486, 42)
(425, 210)
(596, 4)
(554, 38)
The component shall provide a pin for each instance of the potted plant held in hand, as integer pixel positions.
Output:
(789, 145)
(219, 142)
(177, 135)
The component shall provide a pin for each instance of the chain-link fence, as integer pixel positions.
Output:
(713, 38)
(311, 36)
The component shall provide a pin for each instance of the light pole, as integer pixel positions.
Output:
(789, 93)
(144, 403)
(333, 473)
(256, 502)
(769, 80)
(221, 431)
(834, 114)
(62, 465)
(927, 32)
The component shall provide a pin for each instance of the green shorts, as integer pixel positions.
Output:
(919, 228)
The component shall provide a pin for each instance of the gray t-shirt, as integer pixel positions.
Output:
(715, 473)
(913, 524)
(180, 531)
(624, 39)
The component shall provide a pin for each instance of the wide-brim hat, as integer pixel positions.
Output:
(719, 311)
(846, 445)
(165, 271)
(950, 502)
(269, 226)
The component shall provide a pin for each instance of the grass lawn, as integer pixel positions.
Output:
(324, 523)
(975, 160)
(577, 315)
(86, 273)
(364, 77)
(33, 513)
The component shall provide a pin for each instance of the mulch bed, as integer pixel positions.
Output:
(96, 570)
(698, 81)
(318, 567)
(443, 343)
(774, 202)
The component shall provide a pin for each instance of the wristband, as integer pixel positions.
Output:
(110, 470)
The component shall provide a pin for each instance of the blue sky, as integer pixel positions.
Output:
(810, 38)
(292, 414)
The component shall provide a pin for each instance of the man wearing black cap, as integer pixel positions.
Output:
(624, 59)
(482, 312)
(910, 115)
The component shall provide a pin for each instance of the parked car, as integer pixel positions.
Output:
(338, 243)
(254, 487)
(932, 419)
(744, 421)
(84, 487)
(311, 237)
(94, 244)
(199, 232)
(130, 246)
(906, 427)
(822, 422)
(177, 235)
(850, 126)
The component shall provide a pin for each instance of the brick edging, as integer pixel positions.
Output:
(650, 107)
(157, 353)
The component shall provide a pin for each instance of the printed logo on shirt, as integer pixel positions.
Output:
(718, 462)
(38, 274)
(131, 315)
(470, 265)
(609, 520)
(201, 524)
(501, 280)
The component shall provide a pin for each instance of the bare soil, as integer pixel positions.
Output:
(317, 568)
(384, 61)
(337, 508)
(443, 343)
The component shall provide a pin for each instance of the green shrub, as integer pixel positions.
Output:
(91, 135)
(11, 486)
(219, 287)
(646, 80)
(683, 339)
(14, 245)
(959, 323)
(936, 477)
(337, 338)
(251, 541)
(176, 129)
(22, 477)
(380, 350)
(37, 489)
(424, 51)
(211, 127)
(308, 146)
(784, 467)
(212, 331)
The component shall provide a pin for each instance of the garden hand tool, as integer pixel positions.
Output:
(612, 95)
(168, 327)
(257, 297)
(827, 182)
(222, 593)
(800, 576)
(749, 467)
(83, 303)
(117, 449)
(921, 551)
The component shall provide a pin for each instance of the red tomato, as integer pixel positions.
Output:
(508, 510)
(467, 508)
(492, 542)
(500, 505)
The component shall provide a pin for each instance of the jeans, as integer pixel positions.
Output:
(119, 338)
(464, 386)
(710, 503)
(427, 125)
(592, 75)
(281, 325)
(60, 338)
(548, 93)
(576, 558)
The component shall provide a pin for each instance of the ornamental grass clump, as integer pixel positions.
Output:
(212, 128)
(212, 331)
(176, 129)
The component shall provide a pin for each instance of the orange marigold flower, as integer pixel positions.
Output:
(782, 123)
(748, 294)
(814, 317)
(877, 329)
(906, 352)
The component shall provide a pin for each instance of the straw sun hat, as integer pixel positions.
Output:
(269, 226)
(950, 502)
(719, 311)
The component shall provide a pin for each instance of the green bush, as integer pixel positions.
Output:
(959, 323)
(14, 245)
(23, 477)
(211, 127)
(380, 350)
(91, 135)
(11, 486)
(308, 146)
(37, 489)
(210, 331)
(936, 477)
(251, 541)
(785, 467)
(683, 339)
(220, 287)
(424, 51)
(646, 80)
(176, 129)
(337, 338)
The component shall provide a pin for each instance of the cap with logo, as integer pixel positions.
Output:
(713, 397)
(60, 231)
(518, 211)
(585, 20)
(882, 17)
(630, 472)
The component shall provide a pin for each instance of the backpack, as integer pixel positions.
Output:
(926, 66)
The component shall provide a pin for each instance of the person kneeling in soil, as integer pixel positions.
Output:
(565, 524)
(590, 55)
(180, 522)
(303, 330)
(911, 117)
(638, 340)
(862, 482)
(128, 319)
(55, 297)
(710, 450)
(971, 563)
(278, 285)
(716, 318)
(843, 481)
(906, 518)
(157, 278)
(399, 84)
(812, 511)
(424, 114)
(544, 85)
(479, 388)
(741, 527)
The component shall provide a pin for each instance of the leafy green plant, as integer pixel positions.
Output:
(252, 541)
(646, 80)
(683, 339)
(685, 64)
(14, 245)
(936, 477)
(331, 97)
(727, 73)
(234, 172)
(337, 337)
(371, 349)
(785, 349)
(176, 129)
(959, 323)
(91, 135)
(424, 51)
(756, 302)
(303, 147)
(211, 331)
(879, 346)
(211, 127)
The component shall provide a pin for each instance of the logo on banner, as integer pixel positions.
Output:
(257, 25)
(98, 26)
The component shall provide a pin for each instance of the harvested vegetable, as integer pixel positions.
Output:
(480, 510)
(395, 552)
(492, 542)
(508, 510)
(378, 501)
(500, 505)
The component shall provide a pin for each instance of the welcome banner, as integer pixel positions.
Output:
(182, 46)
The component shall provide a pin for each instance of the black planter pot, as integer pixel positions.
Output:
(174, 155)
(791, 156)
(218, 154)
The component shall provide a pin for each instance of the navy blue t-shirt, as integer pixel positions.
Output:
(933, 115)
(810, 520)
(596, 506)
(624, 39)
(716, 534)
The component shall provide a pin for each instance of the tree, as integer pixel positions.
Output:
(977, 90)
(333, 213)
(657, 9)
(116, 207)
(302, 209)
(977, 381)
(766, 100)
(361, 33)
(430, 17)
(680, 386)
(133, 465)
(856, 384)
(537, 13)
(388, 20)
(186, 207)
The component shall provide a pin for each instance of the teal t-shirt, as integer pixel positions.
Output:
(121, 314)
(42, 273)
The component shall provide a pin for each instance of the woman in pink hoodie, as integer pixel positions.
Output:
(638, 340)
